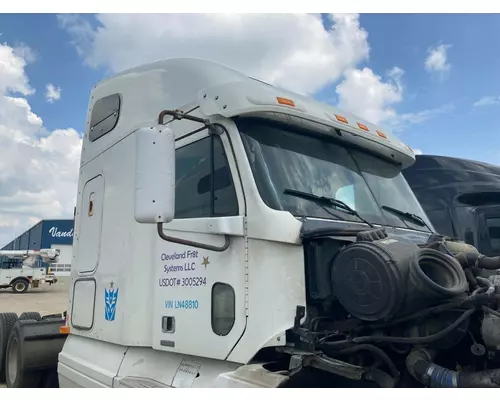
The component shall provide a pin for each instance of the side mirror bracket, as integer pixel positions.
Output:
(155, 176)
(184, 242)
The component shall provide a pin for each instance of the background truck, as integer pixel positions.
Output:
(29, 270)
(229, 233)
(461, 198)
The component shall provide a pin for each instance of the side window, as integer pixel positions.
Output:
(223, 308)
(493, 225)
(204, 187)
(104, 116)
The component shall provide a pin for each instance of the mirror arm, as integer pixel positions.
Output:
(192, 244)
(179, 115)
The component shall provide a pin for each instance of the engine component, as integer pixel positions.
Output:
(469, 256)
(344, 369)
(491, 323)
(390, 277)
(371, 234)
(419, 364)
(477, 349)
(457, 247)
(432, 326)
(378, 300)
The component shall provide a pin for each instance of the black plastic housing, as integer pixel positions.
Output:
(391, 277)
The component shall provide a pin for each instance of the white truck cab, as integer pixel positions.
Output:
(229, 233)
(227, 283)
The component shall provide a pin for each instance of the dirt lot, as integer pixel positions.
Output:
(44, 299)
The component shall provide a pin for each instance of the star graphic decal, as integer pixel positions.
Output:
(205, 262)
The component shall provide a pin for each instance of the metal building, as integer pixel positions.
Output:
(49, 233)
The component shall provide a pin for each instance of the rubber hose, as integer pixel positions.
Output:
(491, 263)
(487, 283)
(373, 349)
(435, 376)
(409, 340)
(421, 367)
(490, 311)
(471, 279)
(470, 259)
(475, 298)
(322, 232)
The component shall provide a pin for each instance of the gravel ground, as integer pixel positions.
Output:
(45, 299)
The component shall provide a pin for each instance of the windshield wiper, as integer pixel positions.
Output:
(326, 201)
(403, 214)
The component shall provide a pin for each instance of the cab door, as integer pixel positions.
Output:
(200, 293)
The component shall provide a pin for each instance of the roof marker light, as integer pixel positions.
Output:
(364, 127)
(382, 135)
(64, 329)
(285, 101)
(341, 119)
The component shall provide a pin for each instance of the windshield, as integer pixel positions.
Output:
(282, 158)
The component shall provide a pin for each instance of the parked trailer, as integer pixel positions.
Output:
(29, 348)
(229, 233)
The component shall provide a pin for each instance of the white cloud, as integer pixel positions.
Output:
(401, 121)
(12, 76)
(363, 93)
(294, 51)
(417, 152)
(487, 101)
(366, 94)
(38, 169)
(53, 93)
(436, 60)
(25, 52)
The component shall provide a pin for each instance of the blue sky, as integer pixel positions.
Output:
(56, 62)
(401, 40)
(469, 132)
(371, 64)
